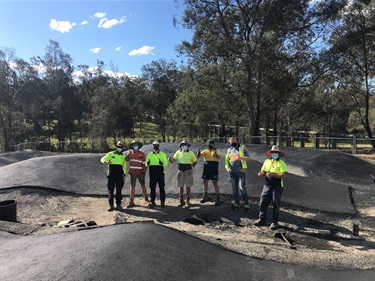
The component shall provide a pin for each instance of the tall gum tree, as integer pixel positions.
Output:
(237, 30)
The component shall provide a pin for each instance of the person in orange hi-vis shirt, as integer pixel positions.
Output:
(137, 170)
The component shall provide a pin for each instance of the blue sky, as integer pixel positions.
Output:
(129, 34)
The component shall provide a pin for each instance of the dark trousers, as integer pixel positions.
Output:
(157, 178)
(270, 194)
(115, 181)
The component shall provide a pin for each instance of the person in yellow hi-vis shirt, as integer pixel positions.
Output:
(156, 160)
(116, 174)
(274, 171)
(186, 162)
(211, 157)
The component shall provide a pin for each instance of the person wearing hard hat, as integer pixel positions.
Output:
(137, 170)
(274, 171)
(186, 162)
(211, 157)
(235, 164)
(156, 160)
(115, 174)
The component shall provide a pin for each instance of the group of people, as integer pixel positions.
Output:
(273, 169)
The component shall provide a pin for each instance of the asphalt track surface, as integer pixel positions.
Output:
(153, 252)
(142, 252)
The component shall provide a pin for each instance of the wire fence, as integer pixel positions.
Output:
(350, 145)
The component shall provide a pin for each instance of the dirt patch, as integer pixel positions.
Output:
(321, 239)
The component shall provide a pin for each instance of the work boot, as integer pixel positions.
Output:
(146, 200)
(162, 205)
(188, 203)
(118, 207)
(274, 226)
(152, 205)
(218, 201)
(260, 223)
(110, 208)
(131, 204)
(205, 198)
(182, 202)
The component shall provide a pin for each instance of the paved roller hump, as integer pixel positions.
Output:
(315, 176)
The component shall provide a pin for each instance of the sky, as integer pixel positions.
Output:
(128, 34)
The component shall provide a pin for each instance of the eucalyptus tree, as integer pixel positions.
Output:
(18, 87)
(352, 55)
(254, 36)
(56, 73)
(162, 79)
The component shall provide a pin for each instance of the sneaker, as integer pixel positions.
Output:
(247, 208)
(162, 205)
(234, 207)
(260, 223)
(205, 198)
(274, 226)
(151, 205)
(111, 208)
(119, 208)
(182, 203)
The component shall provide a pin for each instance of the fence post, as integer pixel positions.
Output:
(354, 146)
(316, 140)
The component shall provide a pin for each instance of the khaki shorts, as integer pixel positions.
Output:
(185, 178)
(141, 179)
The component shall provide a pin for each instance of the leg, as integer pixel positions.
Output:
(132, 191)
(205, 186)
(161, 183)
(152, 185)
(181, 183)
(141, 179)
(234, 182)
(265, 200)
(111, 188)
(242, 186)
(205, 189)
(216, 187)
(119, 185)
(276, 200)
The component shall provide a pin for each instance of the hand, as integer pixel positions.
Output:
(148, 163)
(269, 175)
(108, 162)
(229, 169)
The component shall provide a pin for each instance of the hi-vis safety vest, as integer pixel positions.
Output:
(240, 152)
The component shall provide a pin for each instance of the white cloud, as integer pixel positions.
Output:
(100, 15)
(94, 71)
(106, 23)
(118, 49)
(84, 22)
(145, 50)
(95, 50)
(61, 26)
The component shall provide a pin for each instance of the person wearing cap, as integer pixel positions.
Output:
(137, 170)
(115, 174)
(156, 160)
(211, 157)
(274, 171)
(235, 164)
(186, 162)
